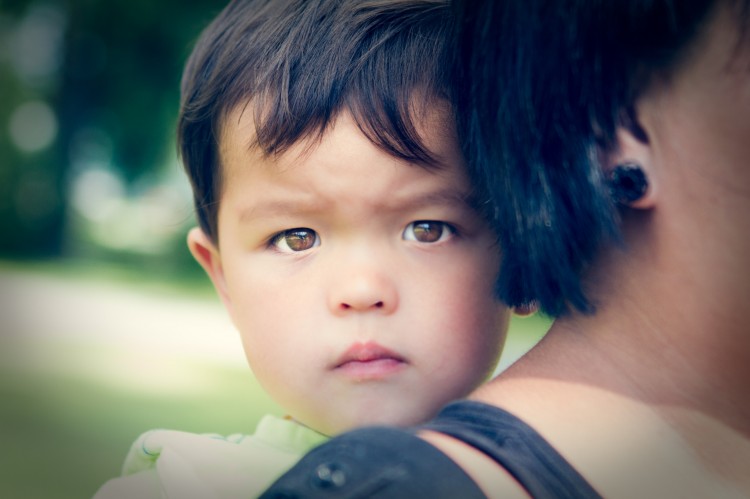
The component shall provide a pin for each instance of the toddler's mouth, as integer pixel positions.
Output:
(369, 361)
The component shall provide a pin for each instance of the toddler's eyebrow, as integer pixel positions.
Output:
(274, 207)
(412, 202)
(448, 196)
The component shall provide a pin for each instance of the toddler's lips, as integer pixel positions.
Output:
(369, 361)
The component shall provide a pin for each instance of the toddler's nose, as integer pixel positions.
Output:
(363, 290)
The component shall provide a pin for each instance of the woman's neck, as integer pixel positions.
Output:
(671, 326)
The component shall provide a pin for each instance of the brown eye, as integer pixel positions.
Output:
(428, 231)
(295, 240)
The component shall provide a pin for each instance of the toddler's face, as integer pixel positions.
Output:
(361, 285)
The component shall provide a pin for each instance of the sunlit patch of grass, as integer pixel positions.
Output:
(523, 333)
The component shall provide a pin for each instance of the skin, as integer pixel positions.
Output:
(648, 397)
(351, 313)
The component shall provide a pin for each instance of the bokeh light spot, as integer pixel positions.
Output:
(33, 126)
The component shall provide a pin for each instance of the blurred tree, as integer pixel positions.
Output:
(84, 84)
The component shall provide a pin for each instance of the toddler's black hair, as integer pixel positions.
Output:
(297, 64)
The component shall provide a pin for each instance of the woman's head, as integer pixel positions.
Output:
(542, 89)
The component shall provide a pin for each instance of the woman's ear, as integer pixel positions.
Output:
(207, 254)
(630, 171)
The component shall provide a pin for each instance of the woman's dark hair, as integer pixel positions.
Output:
(297, 64)
(540, 87)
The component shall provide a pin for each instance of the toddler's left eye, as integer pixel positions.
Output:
(428, 231)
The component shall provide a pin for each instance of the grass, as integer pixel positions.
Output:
(182, 279)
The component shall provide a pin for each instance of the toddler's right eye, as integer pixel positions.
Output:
(295, 240)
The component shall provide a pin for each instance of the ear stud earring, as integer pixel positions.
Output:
(627, 183)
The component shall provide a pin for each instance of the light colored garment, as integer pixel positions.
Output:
(180, 465)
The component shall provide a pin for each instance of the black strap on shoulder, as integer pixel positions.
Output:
(515, 446)
(376, 463)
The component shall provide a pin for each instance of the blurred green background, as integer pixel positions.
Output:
(107, 326)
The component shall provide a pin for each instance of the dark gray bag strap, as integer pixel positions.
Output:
(375, 463)
(515, 446)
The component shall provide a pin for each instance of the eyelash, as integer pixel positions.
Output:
(448, 231)
(281, 238)
(280, 241)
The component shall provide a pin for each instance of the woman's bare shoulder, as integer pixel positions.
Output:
(494, 480)
(622, 445)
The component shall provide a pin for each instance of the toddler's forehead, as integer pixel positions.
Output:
(237, 124)
(433, 119)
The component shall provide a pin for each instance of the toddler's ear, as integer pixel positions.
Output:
(207, 254)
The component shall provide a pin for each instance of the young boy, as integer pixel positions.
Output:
(338, 226)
